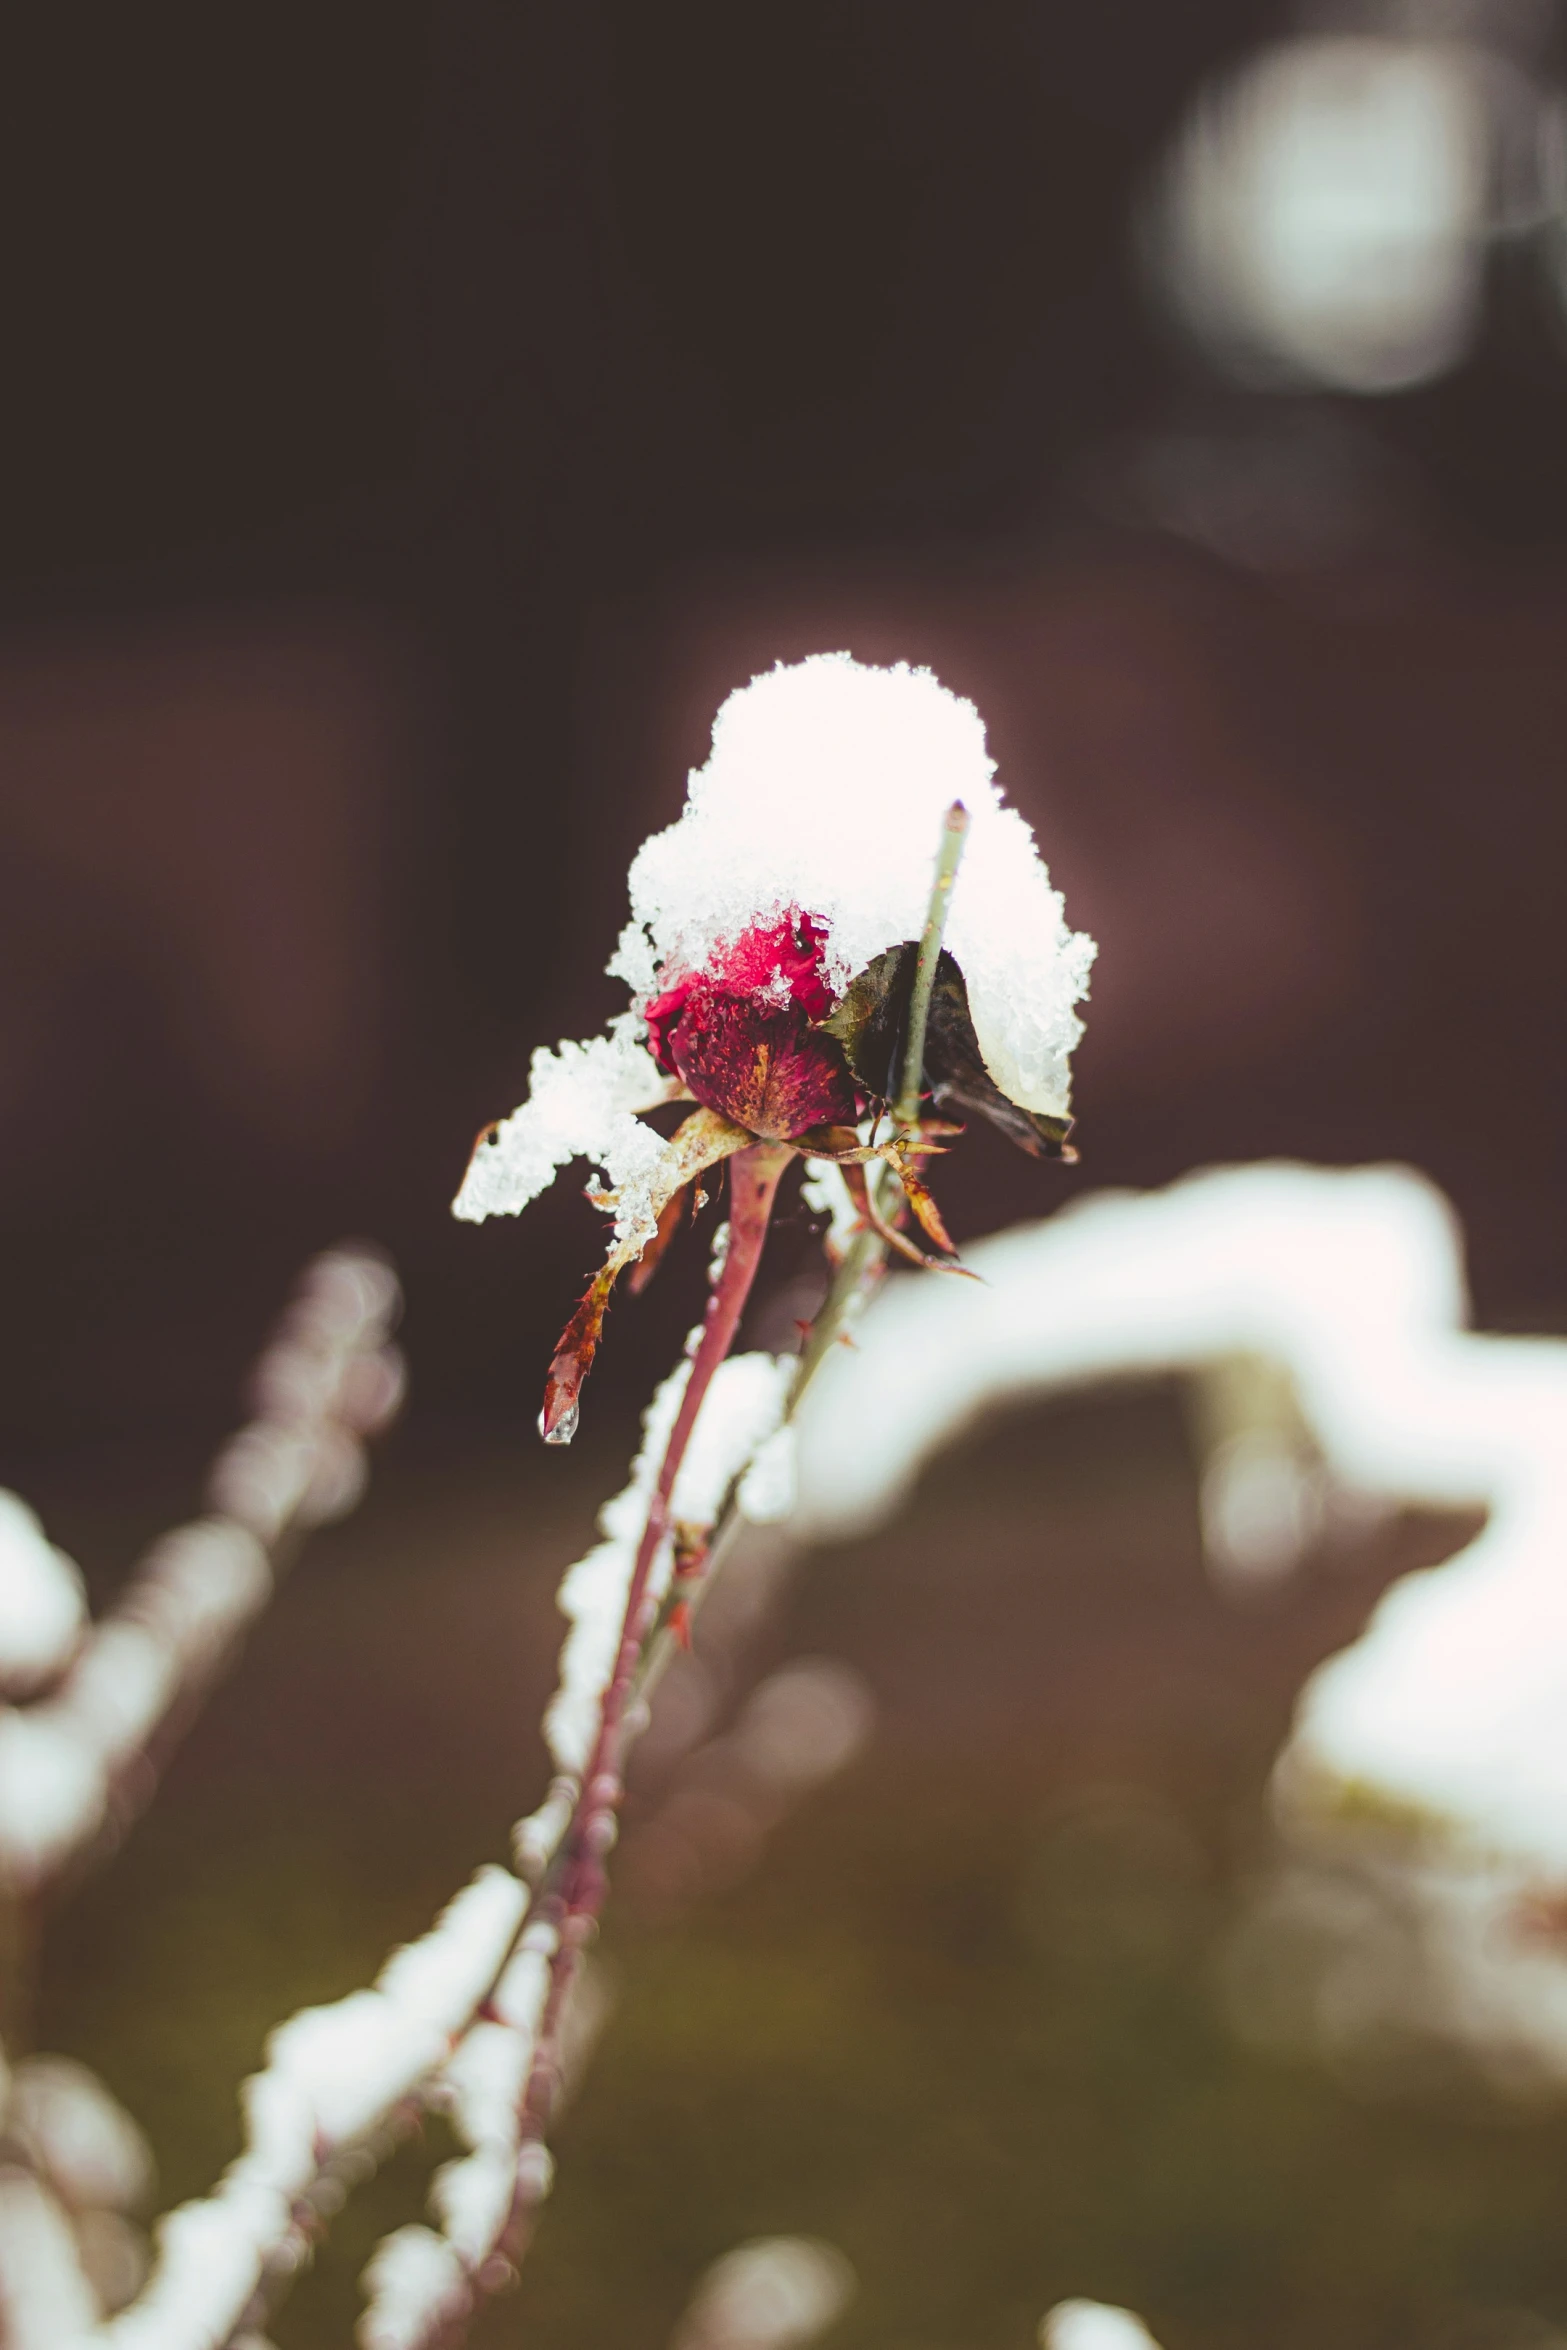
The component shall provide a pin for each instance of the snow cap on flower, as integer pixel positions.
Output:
(825, 795)
(811, 832)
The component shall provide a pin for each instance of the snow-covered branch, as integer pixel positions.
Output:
(1347, 1283)
(1422, 1793)
(110, 1695)
(451, 2022)
(1350, 1284)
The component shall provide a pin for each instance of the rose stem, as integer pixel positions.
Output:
(866, 1253)
(954, 834)
(580, 1883)
(576, 1883)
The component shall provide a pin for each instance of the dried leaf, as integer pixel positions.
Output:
(869, 1022)
(958, 1079)
(864, 1198)
(700, 1142)
(922, 1201)
(669, 1223)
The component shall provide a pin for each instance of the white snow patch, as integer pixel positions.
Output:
(42, 1604)
(777, 2293)
(45, 2298)
(416, 2283)
(84, 2142)
(825, 794)
(582, 1103)
(743, 1409)
(53, 1789)
(1453, 1699)
(1093, 2325)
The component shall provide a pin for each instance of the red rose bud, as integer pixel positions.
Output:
(739, 1034)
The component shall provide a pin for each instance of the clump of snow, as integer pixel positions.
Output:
(344, 2066)
(52, 1790)
(523, 1988)
(775, 2294)
(42, 1604)
(45, 2298)
(582, 1103)
(207, 2266)
(446, 1971)
(767, 1491)
(1451, 1702)
(198, 1586)
(327, 1377)
(472, 2198)
(352, 2061)
(416, 2284)
(482, 2087)
(485, 2079)
(825, 1193)
(825, 794)
(333, 2077)
(79, 2137)
(742, 1411)
(1093, 2325)
(533, 1839)
(744, 1406)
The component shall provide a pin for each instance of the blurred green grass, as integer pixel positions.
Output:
(962, 2021)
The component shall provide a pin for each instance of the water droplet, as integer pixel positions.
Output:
(565, 1427)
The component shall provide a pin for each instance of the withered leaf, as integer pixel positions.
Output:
(700, 1142)
(958, 1079)
(869, 1021)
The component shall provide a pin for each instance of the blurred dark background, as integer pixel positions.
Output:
(416, 420)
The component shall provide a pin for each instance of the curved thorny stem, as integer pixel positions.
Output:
(579, 1882)
(573, 1882)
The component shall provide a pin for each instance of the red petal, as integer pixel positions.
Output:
(771, 1072)
(753, 969)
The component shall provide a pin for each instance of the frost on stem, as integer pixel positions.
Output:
(43, 1604)
(452, 2023)
(745, 1407)
(1093, 2325)
(786, 964)
(102, 1694)
(334, 2077)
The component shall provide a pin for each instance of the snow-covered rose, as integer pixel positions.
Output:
(803, 855)
(771, 957)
